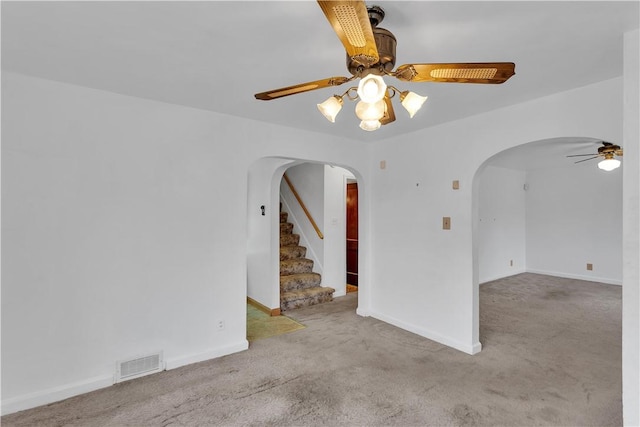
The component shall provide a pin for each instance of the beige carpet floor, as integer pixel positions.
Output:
(551, 356)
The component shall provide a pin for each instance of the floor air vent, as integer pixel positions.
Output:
(139, 366)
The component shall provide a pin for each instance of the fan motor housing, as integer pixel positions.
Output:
(608, 148)
(386, 44)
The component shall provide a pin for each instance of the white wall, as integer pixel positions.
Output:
(501, 224)
(308, 180)
(115, 243)
(631, 233)
(574, 217)
(124, 227)
(262, 261)
(425, 278)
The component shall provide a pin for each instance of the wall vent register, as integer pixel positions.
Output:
(138, 366)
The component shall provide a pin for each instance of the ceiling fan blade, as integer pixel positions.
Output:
(389, 114)
(478, 72)
(582, 155)
(591, 158)
(302, 87)
(618, 152)
(350, 21)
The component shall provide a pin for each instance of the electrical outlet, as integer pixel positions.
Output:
(456, 185)
(589, 266)
(220, 325)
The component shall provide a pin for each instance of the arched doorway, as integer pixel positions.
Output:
(263, 260)
(313, 199)
(536, 211)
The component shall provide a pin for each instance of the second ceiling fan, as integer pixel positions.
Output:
(371, 54)
(608, 152)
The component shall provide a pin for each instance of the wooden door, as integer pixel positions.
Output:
(352, 234)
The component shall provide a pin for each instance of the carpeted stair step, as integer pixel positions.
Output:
(292, 252)
(286, 227)
(305, 297)
(283, 216)
(295, 266)
(289, 239)
(299, 281)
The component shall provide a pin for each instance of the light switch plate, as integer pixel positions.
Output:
(446, 223)
(456, 184)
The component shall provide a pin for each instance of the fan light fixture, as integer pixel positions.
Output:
(371, 88)
(371, 108)
(370, 125)
(331, 107)
(609, 164)
(412, 102)
(371, 55)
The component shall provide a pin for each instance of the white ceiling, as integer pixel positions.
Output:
(216, 55)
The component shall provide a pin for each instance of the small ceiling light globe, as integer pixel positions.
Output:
(412, 102)
(370, 125)
(370, 111)
(331, 107)
(371, 88)
(609, 164)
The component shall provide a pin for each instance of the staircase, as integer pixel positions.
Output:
(299, 285)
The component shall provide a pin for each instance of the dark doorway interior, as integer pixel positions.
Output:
(352, 234)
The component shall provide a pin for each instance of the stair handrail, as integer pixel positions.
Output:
(304, 208)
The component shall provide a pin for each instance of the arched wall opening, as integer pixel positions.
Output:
(535, 210)
(264, 181)
(314, 196)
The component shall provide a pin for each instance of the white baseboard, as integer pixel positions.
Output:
(362, 312)
(502, 276)
(339, 294)
(465, 348)
(44, 397)
(577, 276)
(177, 362)
(55, 394)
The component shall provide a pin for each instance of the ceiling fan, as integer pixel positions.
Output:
(608, 151)
(371, 54)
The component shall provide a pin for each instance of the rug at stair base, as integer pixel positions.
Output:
(262, 325)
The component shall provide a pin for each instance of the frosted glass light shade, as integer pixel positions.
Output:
(370, 111)
(371, 88)
(331, 107)
(370, 125)
(609, 164)
(412, 102)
